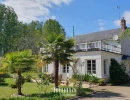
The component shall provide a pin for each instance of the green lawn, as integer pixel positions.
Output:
(32, 91)
(27, 88)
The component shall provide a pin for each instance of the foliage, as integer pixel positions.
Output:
(93, 79)
(31, 35)
(101, 82)
(15, 35)
(27, 77)
(117, 73)
(57, 49)
(125, 33)
(87, 77)
(4, 75)
(19, 61)
(53, 26)
(8, 18)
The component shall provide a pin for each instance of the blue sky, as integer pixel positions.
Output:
(85, 15)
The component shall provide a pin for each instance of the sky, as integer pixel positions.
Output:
(86, 16)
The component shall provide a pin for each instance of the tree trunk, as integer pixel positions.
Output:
(56, 69)
(19, 84)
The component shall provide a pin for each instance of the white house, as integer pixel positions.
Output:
(95, 51)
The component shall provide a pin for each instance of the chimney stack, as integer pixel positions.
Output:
(123, 24)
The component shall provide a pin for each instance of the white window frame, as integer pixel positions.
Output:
(91, 71)
(65, 69)
(46, 68)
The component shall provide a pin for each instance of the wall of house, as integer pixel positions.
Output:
(107, 56)
(92, 55)
(125, 46)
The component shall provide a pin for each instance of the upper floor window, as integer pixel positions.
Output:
(94, 45)
(82, 45)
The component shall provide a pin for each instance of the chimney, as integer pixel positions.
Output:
(123, 24)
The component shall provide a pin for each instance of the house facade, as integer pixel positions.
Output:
(95, 50)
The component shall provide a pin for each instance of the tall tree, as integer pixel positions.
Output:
(31, 36)
(58, 50)
(8, 28)
(18, 61)
(53, 26)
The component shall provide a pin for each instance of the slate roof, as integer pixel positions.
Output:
(96, 36)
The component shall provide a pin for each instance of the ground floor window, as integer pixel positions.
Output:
(66, 69)
(91, 66)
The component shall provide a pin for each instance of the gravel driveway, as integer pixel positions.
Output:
(110, 93)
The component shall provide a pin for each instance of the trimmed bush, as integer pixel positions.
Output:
(118, 73)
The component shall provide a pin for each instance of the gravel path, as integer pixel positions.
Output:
(110, 93)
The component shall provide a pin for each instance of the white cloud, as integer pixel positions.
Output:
(126, 15)
(53, 17)
(117, 22)
(101, 24)
(34, 9)
(101, 28)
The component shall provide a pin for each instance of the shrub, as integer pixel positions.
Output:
(4, 75)
(86, 77)
(93, 79)
(117, 73)
(76, 77)
(101, 82)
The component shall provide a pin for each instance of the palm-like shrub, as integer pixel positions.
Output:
(19, 62)
(58, 50)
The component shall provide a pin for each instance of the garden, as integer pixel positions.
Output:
(34, 90)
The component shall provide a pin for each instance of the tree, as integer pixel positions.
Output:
(118, 73)
(8, 28)
(31, 36)
(125, 33)
(57, 49)
(18, 61)
(74, 65)
(53, 26)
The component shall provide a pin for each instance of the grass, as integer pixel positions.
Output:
(28, 88)
(32, 90)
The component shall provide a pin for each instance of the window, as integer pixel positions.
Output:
(66, 69)
(91, 66)
(46, 68)
(97, 44)
(105, 69)
(77, 47)
(82, 45)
